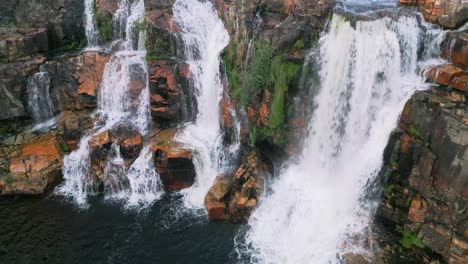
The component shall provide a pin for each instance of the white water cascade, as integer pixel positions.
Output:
(39, 102)
(92, 32)
(204, 37)
(123, 99)
(316, 210)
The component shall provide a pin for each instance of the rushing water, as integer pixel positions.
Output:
(39, 101)
(204, 38)
(92, 33)
(123, 98)
(316, 209)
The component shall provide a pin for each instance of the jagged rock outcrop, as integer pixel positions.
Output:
(75, 79)
(173, 161)
(166, 90)
(16, 43)
(234, 197)
(426, 162)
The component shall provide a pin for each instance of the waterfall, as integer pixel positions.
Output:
(204, 38)
(317, 209)
(123, 98)
(92, 32)
(39, 102)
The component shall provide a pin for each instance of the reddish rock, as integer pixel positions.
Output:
(99, 140)
(89, 71)
(129, 139)
(444, 74)
(447, 13)
(165, 90)
(418, 210)
(184, 69)
(35, 167)
(173, 162)
(455, 48)
(234, 197)
(460, 83)
(109, 6)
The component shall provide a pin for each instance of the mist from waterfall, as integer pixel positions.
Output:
(317, 209)
(123, 98)
(204, 37)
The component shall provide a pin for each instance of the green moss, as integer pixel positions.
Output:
(8, 179)
(253, 136)
(157, 57)
(414, 131)
(299, 44)
(409, 239)
(389, 189)
(106, 29)
(395, 165)
(65, 147)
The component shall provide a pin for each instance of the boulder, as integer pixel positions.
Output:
(129, 139)
(444, 74)
(234, 197)
(173, 161)
(34, 167)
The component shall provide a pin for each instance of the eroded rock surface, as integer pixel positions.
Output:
(427, 162)
(234, 197)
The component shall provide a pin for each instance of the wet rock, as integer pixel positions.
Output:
(455, 48)
(173, 162)
(355, 259)
(34, 167)
(13, 85)
(72, 125)
(75, 79)
(234, 197)
(444, 74)
(426, 168)
(89, 71)
(16, 43)
(129, 139)
(165, 91)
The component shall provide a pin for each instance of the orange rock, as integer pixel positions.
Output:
(35, 167)
(89, 71)
(99, 140)
(460, 83)
(405, 143)
(418, 210)
(444, 74)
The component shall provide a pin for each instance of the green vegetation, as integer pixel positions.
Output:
(259, 75)
(65, 147)
(8, 179)
(269, 70)
(395, 165)
(389, 189)
(409, 239)
(299, 44)
(414, 131)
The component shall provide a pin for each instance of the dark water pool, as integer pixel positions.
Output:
(49, 230)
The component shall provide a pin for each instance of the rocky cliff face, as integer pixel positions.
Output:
(426, 194)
